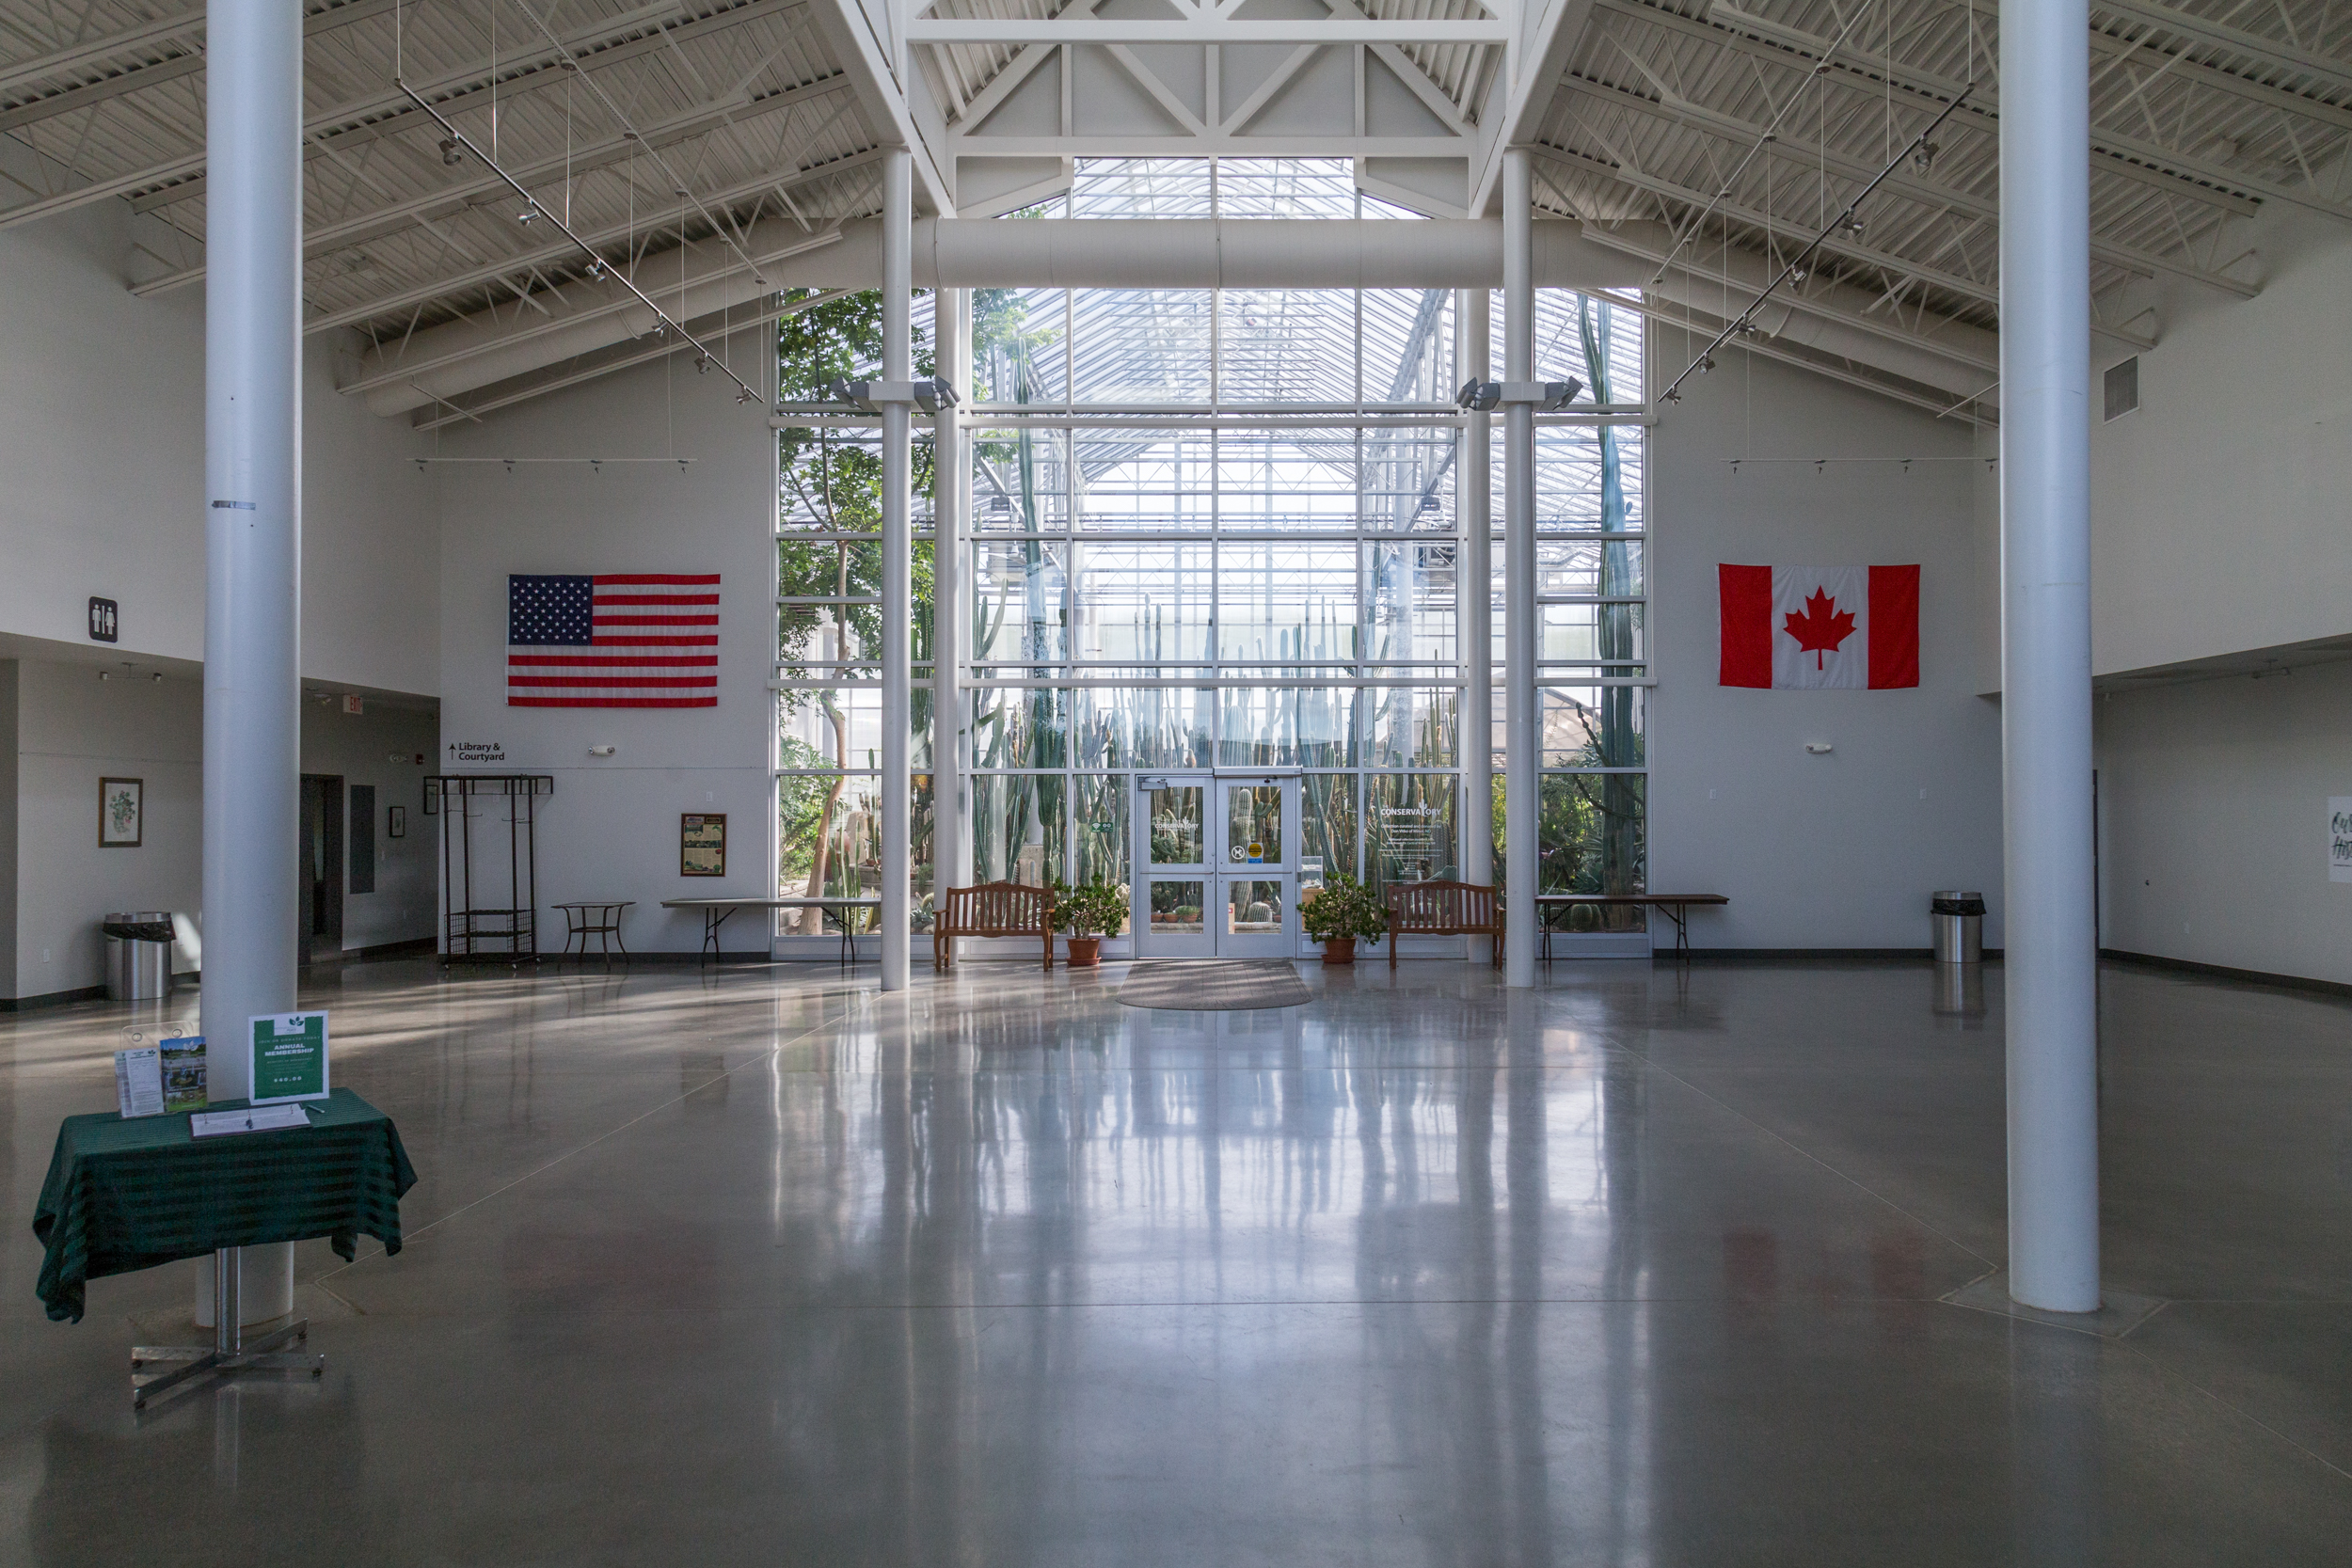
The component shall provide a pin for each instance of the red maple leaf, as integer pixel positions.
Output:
(1821, 628)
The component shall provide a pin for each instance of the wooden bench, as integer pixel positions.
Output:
(992, 910)
(1443, 909)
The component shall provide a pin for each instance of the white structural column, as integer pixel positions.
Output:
(897, 572)
(951, 486)
(2051, 937)
(252, 557)
(1474, 606)
(1520, 777)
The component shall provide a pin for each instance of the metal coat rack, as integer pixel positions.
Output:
(478, 932)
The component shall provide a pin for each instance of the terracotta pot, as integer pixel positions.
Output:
(1085, 952)
(1340, 950)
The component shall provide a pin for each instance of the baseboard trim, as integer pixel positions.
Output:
(52, 999)
(1809, 954)
(2223, 971)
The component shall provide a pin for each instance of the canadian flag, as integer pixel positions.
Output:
(1815, 627)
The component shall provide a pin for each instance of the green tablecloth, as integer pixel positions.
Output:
(130, 1195)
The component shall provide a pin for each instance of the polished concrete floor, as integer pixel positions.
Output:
(1646, 1267)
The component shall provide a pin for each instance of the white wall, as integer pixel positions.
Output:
(2218, 515)
(2219, 508)
(610, 830)
(1842, 850)
(8, 770)
(392, 747)
(72, 730)
(2213, 817)
(102, 436)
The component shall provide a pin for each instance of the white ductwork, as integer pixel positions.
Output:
(1835, 320)
(457, 358)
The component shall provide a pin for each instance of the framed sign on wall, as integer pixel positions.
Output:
(122, 816)
(702, 844)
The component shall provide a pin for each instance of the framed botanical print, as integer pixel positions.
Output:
(121, 817)
(702, 844)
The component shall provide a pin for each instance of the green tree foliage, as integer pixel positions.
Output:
(831, 482)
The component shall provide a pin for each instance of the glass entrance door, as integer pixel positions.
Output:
(1175, 881)
(1217, 858)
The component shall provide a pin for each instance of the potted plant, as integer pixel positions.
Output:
(1089, 913)
(1339, 914)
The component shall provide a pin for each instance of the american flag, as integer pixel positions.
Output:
(617, 639)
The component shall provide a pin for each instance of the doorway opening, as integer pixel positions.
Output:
(318, 869)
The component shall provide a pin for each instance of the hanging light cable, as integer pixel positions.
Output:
(1846, 219)
(668, 323)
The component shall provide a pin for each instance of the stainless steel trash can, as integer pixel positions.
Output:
(139, 956)
(1959, 921)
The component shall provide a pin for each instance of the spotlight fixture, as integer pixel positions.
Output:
(1854, 226)
(527, 215)
(1796, 275)
(1479, 396)
(746, 395)
(452, 153)
(1707, 364)
(1924, 154)
(595, 266)
(702, 364)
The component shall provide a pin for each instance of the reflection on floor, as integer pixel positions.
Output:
(1645, 1267)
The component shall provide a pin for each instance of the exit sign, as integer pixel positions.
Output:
(103, 619)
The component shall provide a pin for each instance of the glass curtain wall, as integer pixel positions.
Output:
(1218, 528)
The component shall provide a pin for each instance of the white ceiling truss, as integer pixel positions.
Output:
(771, 115)
(639, 124)
(1415, 91)
(1748, 127)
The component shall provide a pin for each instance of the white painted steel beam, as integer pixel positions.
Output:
(1207, 144)
(148, 36)
(951, 769)
(475, 351)
(2173, 172)
(57, 62)
(480, 350)
(1524, 85)
(879, 66)
(383, 113)
(1938, 349)
(2325, 72)
(252, 551)
(2052, 936)
(1522, 738)
(523, 262)
(1474, 603)
(897, 570)
(376, 222)
(1203, 28)
(1931, 193)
